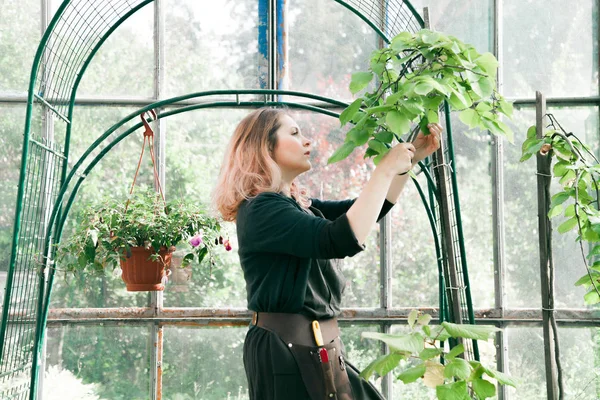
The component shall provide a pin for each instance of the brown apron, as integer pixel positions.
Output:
(324, 375)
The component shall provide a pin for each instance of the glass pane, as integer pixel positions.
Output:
(526, 360)
(97, 362)
(578, 357)
(112, 176)
(20, 30)
(211, 45)
(327, 43)
(124, 65)
(579, 349)
(471, 21)
(522, 273)
(195, 146)
(204, 363)
(473, 159)
(414, 266)
(551, 48)
(417, 390)
(361, 352)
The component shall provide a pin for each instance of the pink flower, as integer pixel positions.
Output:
(227, 244)
(196, 240)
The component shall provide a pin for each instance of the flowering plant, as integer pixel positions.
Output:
(107, 233)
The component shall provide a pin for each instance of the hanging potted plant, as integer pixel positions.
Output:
(139, 236)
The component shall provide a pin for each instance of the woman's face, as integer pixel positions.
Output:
(292, 151)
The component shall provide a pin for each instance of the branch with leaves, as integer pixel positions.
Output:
(415, 74)
(420, 348)
(578, 172)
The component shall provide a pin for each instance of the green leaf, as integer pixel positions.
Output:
(201, 254)
(359, 81)
(429, 37)
(399, 44)
(458, 100)
(428, 354)
(459, 368)
(477, 332)
(470, 117)
(591, 297)
(424, 319)
(502, 378)
(382, 365)
(397, 122)
(488, 63)
(423, 88)
(433, 117)
(525, 157)
(559, 198)
(561, 168)
(187, 259)
(412, 343)
(412, 317)
(358, 136)
(483, 389)
(555, 211)
(342, 152)
(567, 225)
(454, 391)
(347, 115)
(412, 374)
(437, 332)
(506, 107)
(456, 350)
(586, 280)
(378, 146)
(531, 132)
(384, 136)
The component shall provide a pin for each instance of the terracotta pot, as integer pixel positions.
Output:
(141, 274)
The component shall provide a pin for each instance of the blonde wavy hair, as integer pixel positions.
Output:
(248, 167)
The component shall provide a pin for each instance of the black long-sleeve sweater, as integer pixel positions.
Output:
(290, 255)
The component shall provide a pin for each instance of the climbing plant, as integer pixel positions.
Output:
(412, 78)
(577, 170)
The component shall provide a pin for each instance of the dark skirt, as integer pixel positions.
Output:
(273, 374)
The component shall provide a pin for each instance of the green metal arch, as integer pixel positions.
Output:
(59, 214)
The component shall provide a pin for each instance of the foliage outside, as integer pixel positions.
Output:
(416, 73)
(578, 171)
(109, 231)
(452, 381)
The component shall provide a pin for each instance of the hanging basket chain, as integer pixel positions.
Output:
(148, 138)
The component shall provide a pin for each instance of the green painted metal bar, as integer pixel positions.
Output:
(48, 149)
(21, 188)
(461, 242)
(41, 99)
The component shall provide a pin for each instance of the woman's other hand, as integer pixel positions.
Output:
(426, 145)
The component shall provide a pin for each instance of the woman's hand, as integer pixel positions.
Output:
(425, 145)
(398, 160)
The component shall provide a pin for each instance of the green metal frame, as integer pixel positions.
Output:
(59, 99)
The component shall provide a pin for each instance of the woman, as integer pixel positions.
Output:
(289, 249)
